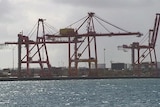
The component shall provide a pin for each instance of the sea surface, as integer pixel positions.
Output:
(81, 93)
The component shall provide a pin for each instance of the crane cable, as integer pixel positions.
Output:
(111, 24)
(76, 21)
(102, 25)
(33, 30)
(145, 37)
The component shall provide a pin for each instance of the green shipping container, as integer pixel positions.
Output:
(66, 31)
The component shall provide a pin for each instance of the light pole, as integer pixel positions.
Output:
(13, 57)
(104, 58)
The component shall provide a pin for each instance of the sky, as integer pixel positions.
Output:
(21, 15)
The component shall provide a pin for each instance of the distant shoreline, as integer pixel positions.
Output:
(72, 78)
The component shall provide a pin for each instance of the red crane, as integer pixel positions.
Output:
(148, 50)
(30, 45)
(36, 51)
(89, 44)
(82, 43)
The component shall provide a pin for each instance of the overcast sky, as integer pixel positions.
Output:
(21, 15)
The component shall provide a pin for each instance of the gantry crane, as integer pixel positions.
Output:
(36, 51)
(89, 40)
(81, 42)
(28, 58)
(148, 50)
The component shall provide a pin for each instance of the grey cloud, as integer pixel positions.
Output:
(107, 3)
(5, 9)
(12, 11)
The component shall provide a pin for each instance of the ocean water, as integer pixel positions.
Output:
(81, 93)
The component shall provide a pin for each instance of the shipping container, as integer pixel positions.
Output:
(67, 31)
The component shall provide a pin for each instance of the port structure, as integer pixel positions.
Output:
(82, 43)
(142, 53)
(36, 52)
(30, 45)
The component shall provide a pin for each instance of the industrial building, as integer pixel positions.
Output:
(119, 66)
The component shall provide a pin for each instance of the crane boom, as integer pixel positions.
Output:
(97, 34)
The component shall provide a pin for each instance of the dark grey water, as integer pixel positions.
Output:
(81, 93)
